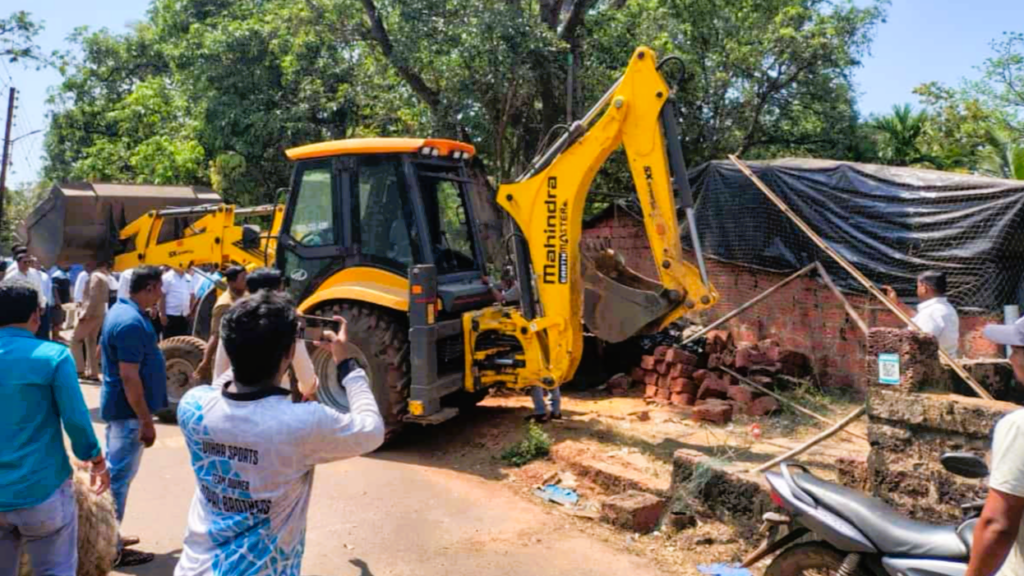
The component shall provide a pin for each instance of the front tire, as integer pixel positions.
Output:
(810, 559)
(182, 355)
(378, 339)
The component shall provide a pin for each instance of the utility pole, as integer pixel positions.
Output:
(568, 93)
(6, 152)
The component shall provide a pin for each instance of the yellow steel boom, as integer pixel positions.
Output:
(543, 346)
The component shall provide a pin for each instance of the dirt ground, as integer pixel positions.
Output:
(634, 441)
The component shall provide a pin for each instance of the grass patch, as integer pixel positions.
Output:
(536, 444)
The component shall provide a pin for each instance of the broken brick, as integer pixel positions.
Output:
(663, 394)
(715, 412)
(662, 367)
(682, 386)
(699, 376)
(677, 399)
(651, 391)
(651, 379)
(688, 400)
(763, 406)
(681, 356)
(713, 388)
(664, 382)
(648, 362)
(633, 510)
(741, 394)
(660, 352)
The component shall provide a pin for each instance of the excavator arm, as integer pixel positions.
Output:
(543, 345)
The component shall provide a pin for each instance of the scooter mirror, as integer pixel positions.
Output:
(964, 464)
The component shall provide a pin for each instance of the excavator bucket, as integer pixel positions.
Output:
(618, 302)
(79, 222)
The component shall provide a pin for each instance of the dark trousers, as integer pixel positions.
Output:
(44, 325)
(176, 326)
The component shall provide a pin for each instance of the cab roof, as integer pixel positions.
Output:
(378, 146)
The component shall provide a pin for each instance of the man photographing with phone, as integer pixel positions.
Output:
(253, 449)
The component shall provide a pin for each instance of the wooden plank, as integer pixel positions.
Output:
(868, 284)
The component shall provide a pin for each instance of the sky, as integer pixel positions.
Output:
(921, 41)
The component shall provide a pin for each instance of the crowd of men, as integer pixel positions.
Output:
(252, 438)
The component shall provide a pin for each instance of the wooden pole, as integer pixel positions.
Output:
(790, 403)
(846, 303)
(868, 284)
(749, 304)
(838, 426)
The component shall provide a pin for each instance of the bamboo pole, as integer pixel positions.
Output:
(868, 284)
(749, 304)
(846, 303)
(790, 403)
(838, 426)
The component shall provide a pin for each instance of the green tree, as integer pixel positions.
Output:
(17, 38)
(232, 84)
(900, 136)
(1004, 156)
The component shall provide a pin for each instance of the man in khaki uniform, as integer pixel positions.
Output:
(90, 322)
(235, 277)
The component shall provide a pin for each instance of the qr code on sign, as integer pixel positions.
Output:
(889, 371)
(889, 368)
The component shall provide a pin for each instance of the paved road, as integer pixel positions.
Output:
(390, 514)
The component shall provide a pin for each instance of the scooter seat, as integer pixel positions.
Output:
(890, 532)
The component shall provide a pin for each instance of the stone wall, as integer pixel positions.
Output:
(911, 426)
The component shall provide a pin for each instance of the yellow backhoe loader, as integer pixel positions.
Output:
(384, 232)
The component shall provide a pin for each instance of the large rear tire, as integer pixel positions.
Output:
(204, 315)
(378, 339)
(810, 559)
(182, 355)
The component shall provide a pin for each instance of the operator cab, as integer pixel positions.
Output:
(384, 203)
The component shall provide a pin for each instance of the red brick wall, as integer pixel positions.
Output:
(804, 315)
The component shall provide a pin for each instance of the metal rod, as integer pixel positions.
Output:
(789, 403)
(691, 221)
(835, 429)
(747, 306)
(868, 284)
(4, 157)
(846, 303)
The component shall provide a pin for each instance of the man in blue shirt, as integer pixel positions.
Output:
(39, 391)
(134, 386)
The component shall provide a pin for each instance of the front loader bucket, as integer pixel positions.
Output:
(619, 303)
(79, 222)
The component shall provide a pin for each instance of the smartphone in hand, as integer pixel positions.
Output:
(312, 328)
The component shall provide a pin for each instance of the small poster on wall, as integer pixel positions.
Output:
(889, 369)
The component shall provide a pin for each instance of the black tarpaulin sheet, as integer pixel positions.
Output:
(891, 223)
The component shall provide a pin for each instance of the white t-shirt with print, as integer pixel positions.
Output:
(253, 458)
(1008, 477)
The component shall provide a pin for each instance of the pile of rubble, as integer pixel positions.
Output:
(697, 380)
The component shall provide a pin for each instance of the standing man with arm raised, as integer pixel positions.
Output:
(134, 386)
(934, 315)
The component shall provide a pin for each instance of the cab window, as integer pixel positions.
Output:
(385, 224)
(313, 215)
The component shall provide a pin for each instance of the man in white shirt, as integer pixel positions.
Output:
(23, 270)
(998, 545)
(81, 281)
(177, 303)
(124, 285)
(935, 315)
(253, 449)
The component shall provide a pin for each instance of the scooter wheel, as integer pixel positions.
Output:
(810, 559)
